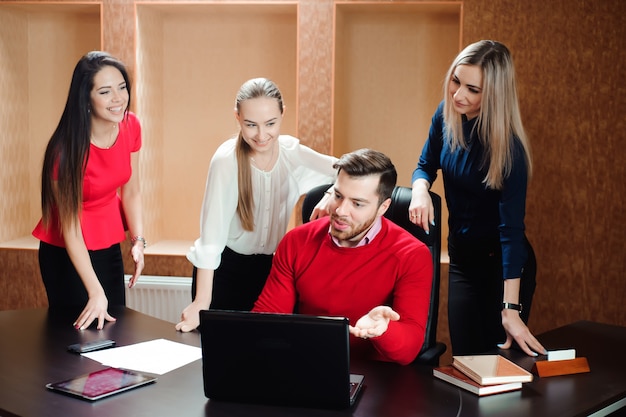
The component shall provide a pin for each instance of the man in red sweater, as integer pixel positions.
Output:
(357, 264)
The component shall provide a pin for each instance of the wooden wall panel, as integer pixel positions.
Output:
(13, 122)
(390, 61)
(315, 43)
(186, 94)
(20, 281)
(148, 103)
(389, 64)
(34, 79)
(569, 56)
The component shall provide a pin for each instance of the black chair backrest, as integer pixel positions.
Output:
(398, 213)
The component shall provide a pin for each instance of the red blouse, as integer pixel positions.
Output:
(107, 170)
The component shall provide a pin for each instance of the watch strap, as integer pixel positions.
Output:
(512, 306)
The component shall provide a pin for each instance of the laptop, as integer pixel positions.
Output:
(277, 359)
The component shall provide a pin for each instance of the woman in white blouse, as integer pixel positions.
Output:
(254, 183)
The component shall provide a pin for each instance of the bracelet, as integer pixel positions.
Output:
(512, 306)
(140, 239)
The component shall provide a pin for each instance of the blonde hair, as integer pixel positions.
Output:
(254, 88)
(499, 120)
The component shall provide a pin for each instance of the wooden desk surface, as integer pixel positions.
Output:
(32, 353)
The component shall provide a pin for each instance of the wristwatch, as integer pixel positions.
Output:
(512, 306)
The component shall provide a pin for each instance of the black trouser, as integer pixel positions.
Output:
(63, 285)
(238, 281)
(475, 289)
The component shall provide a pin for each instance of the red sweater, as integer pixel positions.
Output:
(312, 275)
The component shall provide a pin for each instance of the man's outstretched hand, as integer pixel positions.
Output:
(374, 323)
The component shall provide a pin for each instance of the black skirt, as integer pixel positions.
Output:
(238, 281)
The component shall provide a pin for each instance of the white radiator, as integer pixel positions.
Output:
(161, 297)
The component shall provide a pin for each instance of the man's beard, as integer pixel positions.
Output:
(352, 232)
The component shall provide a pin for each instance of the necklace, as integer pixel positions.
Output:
(268, 164)
(110, 142)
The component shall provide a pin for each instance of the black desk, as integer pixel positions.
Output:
(32, 353)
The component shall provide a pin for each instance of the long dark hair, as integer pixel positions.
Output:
(68, 148)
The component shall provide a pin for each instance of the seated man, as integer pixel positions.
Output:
(357, 264)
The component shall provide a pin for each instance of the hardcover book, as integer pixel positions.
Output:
(452, 375)
(491, 369)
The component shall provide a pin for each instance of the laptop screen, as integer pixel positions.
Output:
(280, 359)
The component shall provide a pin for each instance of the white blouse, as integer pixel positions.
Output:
(276, 192)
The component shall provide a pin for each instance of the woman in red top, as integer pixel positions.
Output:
(90, 186)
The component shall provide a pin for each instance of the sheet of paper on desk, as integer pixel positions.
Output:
(155, 356)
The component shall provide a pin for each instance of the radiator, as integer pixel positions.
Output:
(159, 296)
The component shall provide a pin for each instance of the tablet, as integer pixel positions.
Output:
(100, 384)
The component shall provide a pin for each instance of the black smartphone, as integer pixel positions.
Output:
(91, 346)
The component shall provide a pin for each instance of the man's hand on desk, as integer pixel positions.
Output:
(374, 323)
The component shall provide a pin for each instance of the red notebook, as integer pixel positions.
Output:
(452, 375)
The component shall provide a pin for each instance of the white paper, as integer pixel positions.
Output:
(561, 355)
(155, 356)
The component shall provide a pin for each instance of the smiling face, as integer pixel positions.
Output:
(109, 96)
(354, 207)
(260, 120)
(466, 89)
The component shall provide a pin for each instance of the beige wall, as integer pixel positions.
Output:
(188, 61)
(223, 47)
(40, 46)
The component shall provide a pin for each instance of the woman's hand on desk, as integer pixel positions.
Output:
(190, 317)
(516, 330)
(96, 308)
(374, 323)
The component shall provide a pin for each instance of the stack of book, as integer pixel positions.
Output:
(483, 374)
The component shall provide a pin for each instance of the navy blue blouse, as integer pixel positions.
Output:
(477, 212)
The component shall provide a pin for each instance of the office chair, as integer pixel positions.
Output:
(398, 213)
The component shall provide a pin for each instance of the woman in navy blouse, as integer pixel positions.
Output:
(477, 140)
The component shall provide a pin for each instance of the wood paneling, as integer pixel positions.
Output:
(20, 280)
(569, 56)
